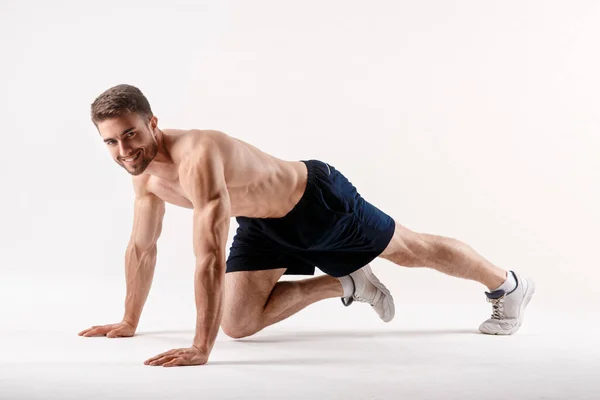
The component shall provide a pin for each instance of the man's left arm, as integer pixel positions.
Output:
(203, 181)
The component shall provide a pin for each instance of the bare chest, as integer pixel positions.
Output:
(168, 191)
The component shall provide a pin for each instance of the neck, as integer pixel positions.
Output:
(162, 165)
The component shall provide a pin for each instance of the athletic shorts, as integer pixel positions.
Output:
(331, 228)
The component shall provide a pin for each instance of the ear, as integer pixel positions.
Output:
(153, 124)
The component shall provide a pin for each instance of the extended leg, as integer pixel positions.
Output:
(255, 300)
(444, 254)
(509, 294)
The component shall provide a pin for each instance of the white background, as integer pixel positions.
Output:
(476, 120)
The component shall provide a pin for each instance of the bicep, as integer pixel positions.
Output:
(204, 182)
(148, 215)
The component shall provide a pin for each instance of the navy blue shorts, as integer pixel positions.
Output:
(332, 228)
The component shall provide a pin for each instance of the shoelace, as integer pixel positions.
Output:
(498, 307)
(348, 300)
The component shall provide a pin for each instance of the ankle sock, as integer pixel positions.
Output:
(347, 285)
(509, 284)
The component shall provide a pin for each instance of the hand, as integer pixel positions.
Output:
(121, 329)
(172, 358)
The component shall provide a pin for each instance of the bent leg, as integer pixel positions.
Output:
(450, 256)
(255, 299)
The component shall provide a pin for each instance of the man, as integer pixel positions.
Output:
(292, 215)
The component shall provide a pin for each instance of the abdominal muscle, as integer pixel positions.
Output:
(259, 185)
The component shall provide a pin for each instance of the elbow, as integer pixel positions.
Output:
(211, 265)
(139, 251)
(210, 259)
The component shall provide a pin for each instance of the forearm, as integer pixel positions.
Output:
(139, 272)
(208, 286)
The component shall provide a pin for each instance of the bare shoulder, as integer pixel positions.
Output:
(222, 158)
(140, 184)
(201, 168)
(146, 201)
(202, 148)
(196, 141)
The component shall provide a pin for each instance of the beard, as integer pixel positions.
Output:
(145, 158)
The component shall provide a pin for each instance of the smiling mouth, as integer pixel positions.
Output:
(131, 160)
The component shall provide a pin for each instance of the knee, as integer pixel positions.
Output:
(239, 327)
(235, 332)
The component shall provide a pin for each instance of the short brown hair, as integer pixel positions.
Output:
(118, 101)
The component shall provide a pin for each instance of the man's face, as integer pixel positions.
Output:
(130, 141)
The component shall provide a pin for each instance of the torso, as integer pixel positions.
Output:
(168, 191)
(259, 185)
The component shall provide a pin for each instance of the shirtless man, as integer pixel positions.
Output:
(292, 215)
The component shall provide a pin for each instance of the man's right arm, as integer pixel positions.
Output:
(140, 256)
(140, 260)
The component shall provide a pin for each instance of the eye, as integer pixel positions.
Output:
(130, 134)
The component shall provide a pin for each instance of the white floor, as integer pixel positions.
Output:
(325, 352)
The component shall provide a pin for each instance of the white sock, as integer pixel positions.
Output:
(509, 284)
(347, 285)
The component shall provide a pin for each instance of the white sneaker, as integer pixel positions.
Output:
(508, 308)
(368, 289)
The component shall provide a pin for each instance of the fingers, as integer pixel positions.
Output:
(115, 333)
(101, 331)
(173, 363)
(164, 360)
(155, 358)
(86, 330)
(171, 358)
(97, 330)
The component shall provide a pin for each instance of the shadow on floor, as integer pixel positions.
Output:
(307, 336)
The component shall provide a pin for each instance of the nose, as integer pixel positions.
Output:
(124, 149)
